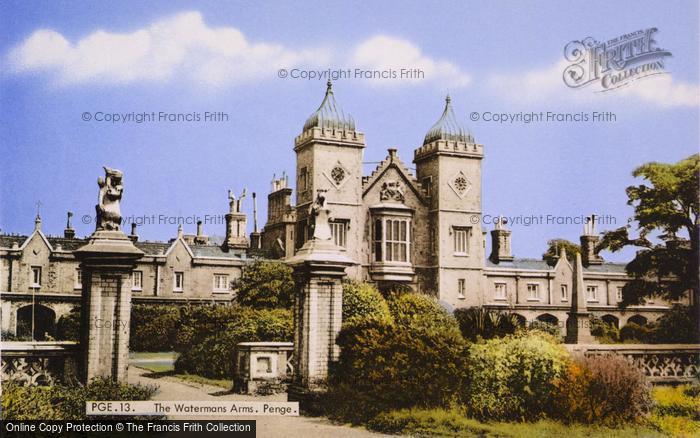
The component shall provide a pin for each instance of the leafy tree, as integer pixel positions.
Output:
(265, 285)
(668, 232)
(554, 246)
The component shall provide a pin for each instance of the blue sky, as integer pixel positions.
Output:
(61, 59)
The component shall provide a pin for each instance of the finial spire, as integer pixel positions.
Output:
(329, 86)
(448, 99)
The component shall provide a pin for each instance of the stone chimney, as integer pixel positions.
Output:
(69, 232)
(500, 242)
(255, 236)
(133, 236)
(236, 223)
(589, 240)
(200, 238)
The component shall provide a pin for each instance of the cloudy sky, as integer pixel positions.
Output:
(61, 60)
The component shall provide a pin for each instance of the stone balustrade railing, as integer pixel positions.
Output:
(39, 363)
(662, 363)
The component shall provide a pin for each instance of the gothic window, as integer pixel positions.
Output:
(339, 232)
(137, 280)
(78, 279)
(427, 185)
(303, 179)
(500, 291)
(592, 293)
(461, 240)
(619, 293)
(178, 281)
(221, 283)
(461, 287)
(564, 292)
(391, 239)
(35, 279)
(533, 291)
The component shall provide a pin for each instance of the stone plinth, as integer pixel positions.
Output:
(319, 268)
(262, 367)
(107, 261)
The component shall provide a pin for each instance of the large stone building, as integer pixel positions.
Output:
(421, 231)
(40, 278)
(424, 230)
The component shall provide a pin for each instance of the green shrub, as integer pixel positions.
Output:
(680, 401)
(545, 327)
(479, 323)
(604, 333)
(635, 333)
(64, 402)
(419, 310)
(677, 326)
(208, 349)
(386, 366)
(154, 327)
(603, 390)
(68, 326)
(265, 285)
(362, 301)
(512, 378)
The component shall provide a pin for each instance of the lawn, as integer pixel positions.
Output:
(162, 364)
(445, 423)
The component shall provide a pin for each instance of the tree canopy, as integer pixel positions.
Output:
(265, 285)
(667, 232)
(555, 245)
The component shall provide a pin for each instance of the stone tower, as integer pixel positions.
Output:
(448, 167)
(329, 158)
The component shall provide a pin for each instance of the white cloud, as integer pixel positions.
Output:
(546, 85)
(181, 45)
(384, 52)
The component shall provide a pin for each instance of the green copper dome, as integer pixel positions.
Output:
(447, 127)
(329, 114)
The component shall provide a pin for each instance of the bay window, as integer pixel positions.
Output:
(391, 239)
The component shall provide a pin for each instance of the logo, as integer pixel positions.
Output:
(614, 63)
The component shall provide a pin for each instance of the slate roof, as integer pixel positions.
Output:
(215, 251)
(521, 263)
(537, 264)
(6, 241)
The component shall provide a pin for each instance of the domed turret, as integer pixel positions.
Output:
(447, 127)
(329, 115)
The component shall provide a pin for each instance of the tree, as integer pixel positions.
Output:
(554, 246)
(668, 232)
(265, 285)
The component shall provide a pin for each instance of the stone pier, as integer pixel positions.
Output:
(319, 267)
(107, 261)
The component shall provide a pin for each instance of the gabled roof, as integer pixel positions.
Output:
(392, 161)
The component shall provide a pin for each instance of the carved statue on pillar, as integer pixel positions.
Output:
(235, 203)
(319, 214)
(109, 215)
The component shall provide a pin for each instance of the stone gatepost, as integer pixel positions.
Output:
(107, 261)
(578, 326)
(319, 267)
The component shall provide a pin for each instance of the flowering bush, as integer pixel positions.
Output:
(602, 389)
(512, 378)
